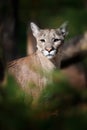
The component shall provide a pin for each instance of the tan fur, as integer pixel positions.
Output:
(48, 41)
(32, 71)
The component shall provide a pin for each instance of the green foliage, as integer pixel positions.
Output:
(59, 106)
(14, 111)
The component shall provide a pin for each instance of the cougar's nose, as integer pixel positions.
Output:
(49, 48)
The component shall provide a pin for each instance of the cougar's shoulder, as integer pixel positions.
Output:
(30, 68)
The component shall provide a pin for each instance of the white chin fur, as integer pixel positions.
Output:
(49, 55)
(45, 53)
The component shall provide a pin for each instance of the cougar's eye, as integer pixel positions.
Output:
(56, 40)
(42, 40)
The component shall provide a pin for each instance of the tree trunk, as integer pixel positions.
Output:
(9, 27)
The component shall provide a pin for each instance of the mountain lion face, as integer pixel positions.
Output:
(49, 40)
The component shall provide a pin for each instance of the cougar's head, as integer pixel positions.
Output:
(49, 40)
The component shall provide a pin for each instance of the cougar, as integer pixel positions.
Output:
(49, 43)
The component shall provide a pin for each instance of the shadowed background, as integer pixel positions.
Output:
(60, 105)
(15, 16)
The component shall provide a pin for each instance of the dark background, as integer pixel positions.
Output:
(16, 15)
(67, 105)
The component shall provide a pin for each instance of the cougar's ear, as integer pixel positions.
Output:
(35, 29)
(63, 29)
